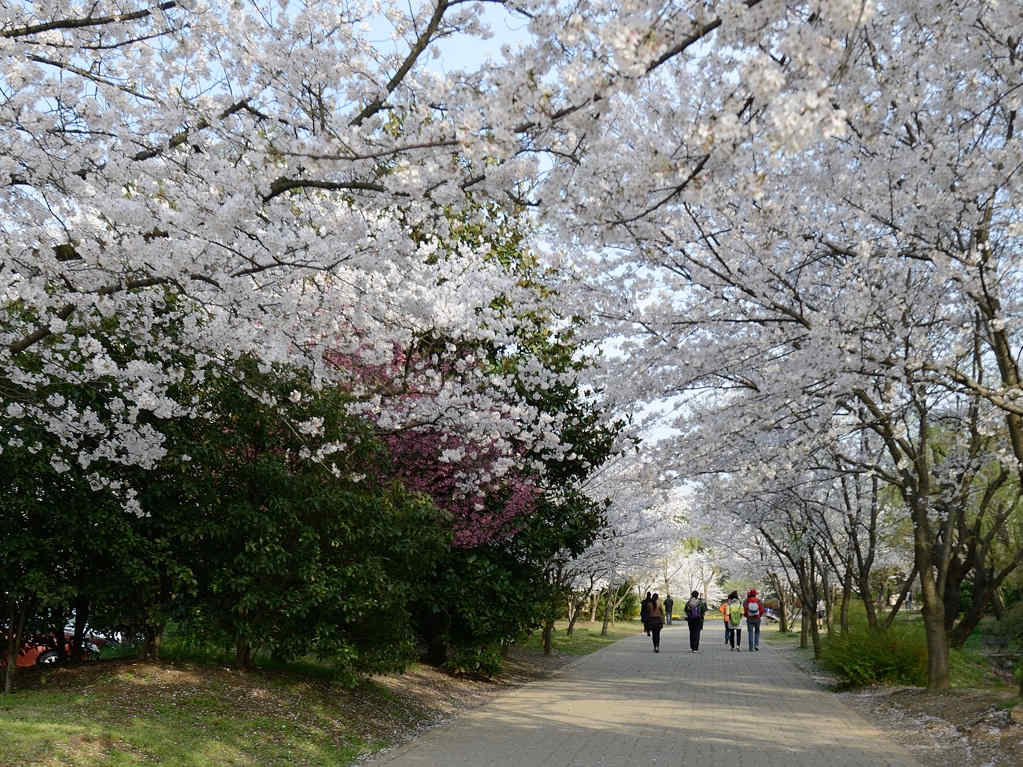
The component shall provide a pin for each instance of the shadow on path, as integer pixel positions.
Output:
(627, 705)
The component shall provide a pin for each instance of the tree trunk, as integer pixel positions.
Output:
(931, 557)
(607, 613)
(808, 600)
(59, 646)
(843, 610)
(813, 596)
(615, 604)
(998, 604)
(955, 574)
(901, 598)
(243, 654)
(575, 609)
(783, 616)
(18, 615)
(864, 554)
(152, 639)
(934, 626)
(975, 557)
(435, 631)
(783, 613)
(81, 620)
(576, 605)
(815, 639)
(869, 605)
(985, 592)
(825, 591)
(548, 632)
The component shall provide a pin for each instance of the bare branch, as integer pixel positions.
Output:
(88, 21)
(421, 43)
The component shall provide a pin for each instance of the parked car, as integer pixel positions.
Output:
(41, 649)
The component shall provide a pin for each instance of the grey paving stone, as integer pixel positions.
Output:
(627, 705)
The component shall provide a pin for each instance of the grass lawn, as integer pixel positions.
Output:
(790, 639)
(585, 637)
(190, 714)
(125, 713)
(968, 668)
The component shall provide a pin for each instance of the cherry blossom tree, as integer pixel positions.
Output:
(857, 274)
(186, 183)
(272, 182)
(814, 203)
(641, 527)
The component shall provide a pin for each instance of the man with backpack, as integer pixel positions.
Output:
(753, 608)
(668, 604)
(696, 608)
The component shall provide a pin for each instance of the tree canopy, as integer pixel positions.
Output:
(796, 223)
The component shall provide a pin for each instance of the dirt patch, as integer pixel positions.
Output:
(959, 727)
(443, 693)
(962, 727)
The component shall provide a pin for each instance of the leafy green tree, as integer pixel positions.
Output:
(288, 554)
(55, 545)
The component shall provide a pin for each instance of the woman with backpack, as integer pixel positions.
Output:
(655, 620)
(734, 621)
(696, 608)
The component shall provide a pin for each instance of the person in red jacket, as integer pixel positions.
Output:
(753, 609)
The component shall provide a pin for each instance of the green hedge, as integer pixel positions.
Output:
(862, 657)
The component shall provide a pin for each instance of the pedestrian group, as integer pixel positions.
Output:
(655, 614)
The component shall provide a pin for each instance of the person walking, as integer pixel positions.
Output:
(644, 613)
(723, 609)
(655, 620)
(696, 608)
(734, 622)
(668, 604)
(753, 609)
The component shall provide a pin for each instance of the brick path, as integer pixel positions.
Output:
(626, 705)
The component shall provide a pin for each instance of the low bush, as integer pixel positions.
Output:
(485, 661)
(1010, 627)
(864, 656)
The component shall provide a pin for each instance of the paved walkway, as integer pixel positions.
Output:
(626, 705)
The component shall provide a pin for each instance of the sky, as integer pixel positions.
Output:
(461, 52)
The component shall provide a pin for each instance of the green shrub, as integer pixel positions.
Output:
(971, 668)
(1010, 627)
(897, 655)
(485, 660)
(1012, 594)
